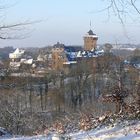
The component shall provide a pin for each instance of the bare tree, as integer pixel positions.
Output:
(13, 30)
(122, 8)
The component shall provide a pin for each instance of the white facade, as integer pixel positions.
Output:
(15, 65)
(40, 58)
(18, 53)
(29, 61)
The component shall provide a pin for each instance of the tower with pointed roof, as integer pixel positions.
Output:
(90, 41)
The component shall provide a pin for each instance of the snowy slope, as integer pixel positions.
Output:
(28, 138)
(131, 132)
(119, 132)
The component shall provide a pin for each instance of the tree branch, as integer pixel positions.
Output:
(133, 4)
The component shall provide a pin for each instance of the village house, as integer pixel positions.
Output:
(18, 57)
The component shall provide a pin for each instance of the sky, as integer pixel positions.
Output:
(66, 21)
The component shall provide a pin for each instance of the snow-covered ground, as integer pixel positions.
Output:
(126, 131)
(130, 132)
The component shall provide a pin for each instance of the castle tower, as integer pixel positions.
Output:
(90, 41)
(58, 56)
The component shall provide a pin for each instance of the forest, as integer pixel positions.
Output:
(93, 86)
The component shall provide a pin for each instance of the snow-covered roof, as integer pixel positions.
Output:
(28, 61)
(17, 51)
(91, 53)
(73, 56)
(70, 62)
(16, 54)
(91, 34)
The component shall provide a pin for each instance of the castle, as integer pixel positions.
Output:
(68, 55)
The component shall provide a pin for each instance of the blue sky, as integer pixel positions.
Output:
(66, 21)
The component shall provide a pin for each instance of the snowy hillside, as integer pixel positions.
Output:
(130, 132)
(122, 131)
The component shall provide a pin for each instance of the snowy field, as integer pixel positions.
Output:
(131, 131)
